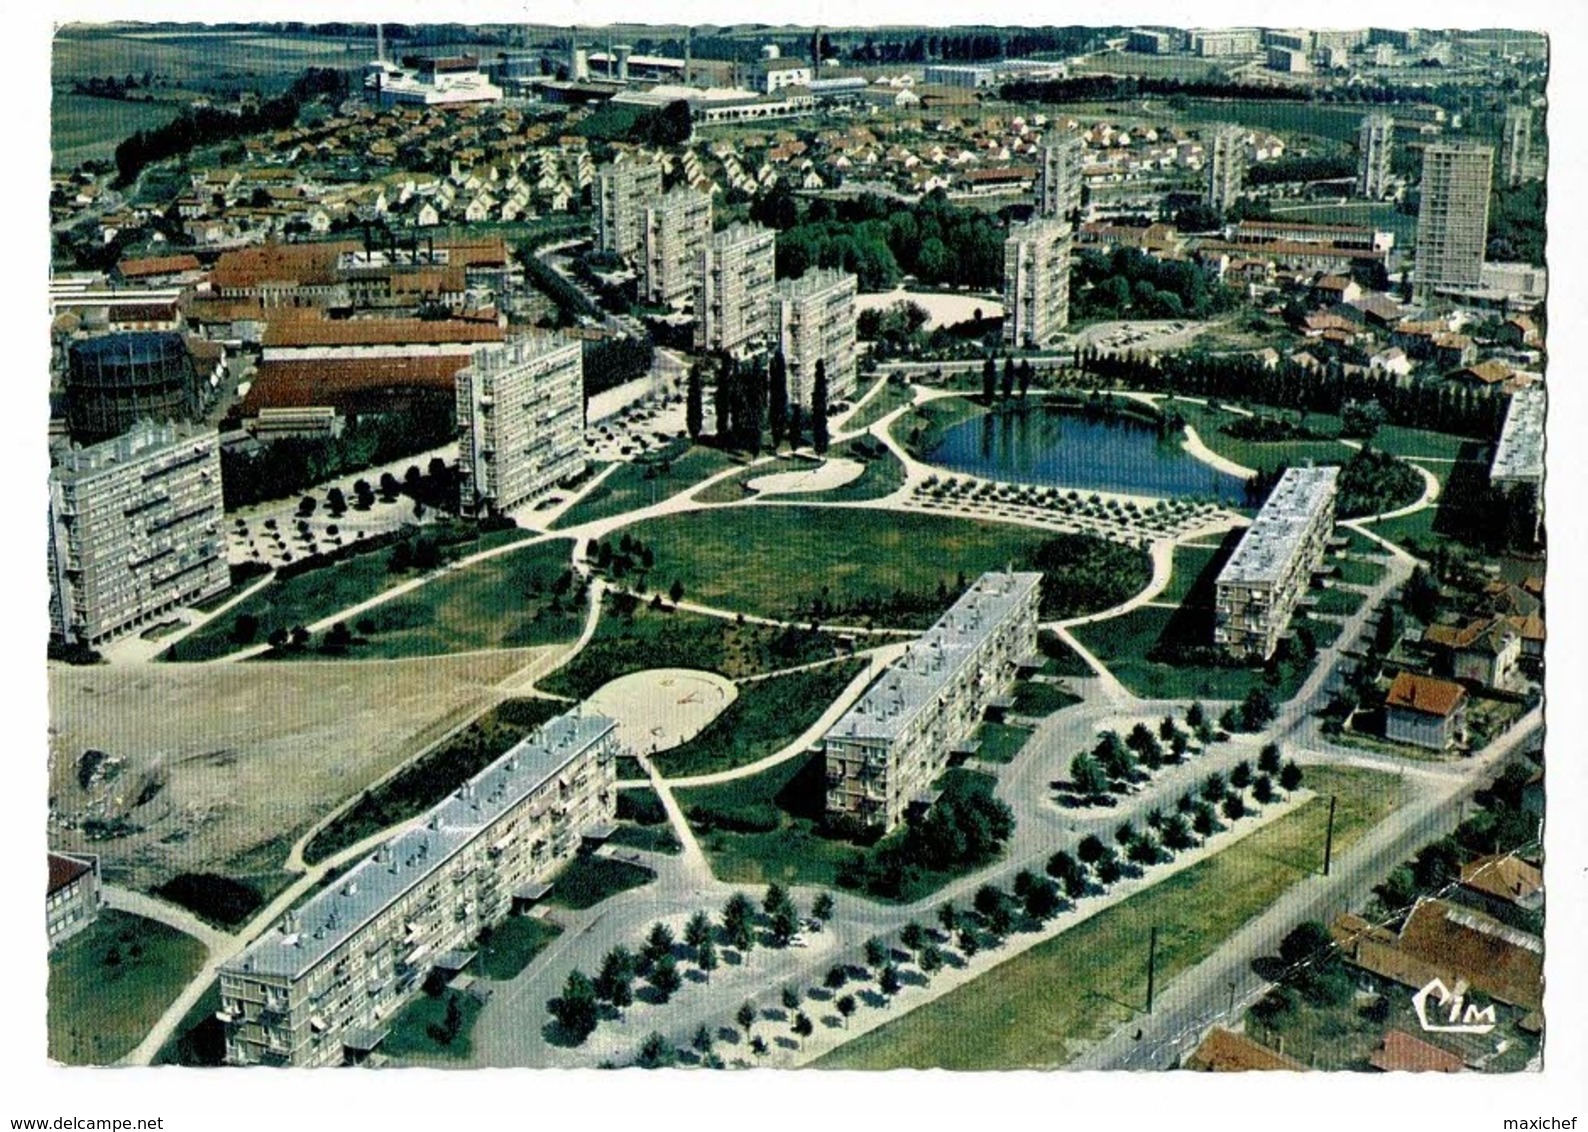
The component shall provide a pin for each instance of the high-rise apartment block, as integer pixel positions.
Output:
(520, 421)
(677, 226)
(1453, 220)
(1516, 144)
(1225, 157)
(1374, 140)
(135, 530)
(734, 277)
(1059, 175)
(814, 318)
(884, 753)
(1272, 567)
(622, 191)
(323, 985)
(1036, 283)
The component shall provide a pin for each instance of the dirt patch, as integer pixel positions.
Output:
(241, 753)
(660, 708)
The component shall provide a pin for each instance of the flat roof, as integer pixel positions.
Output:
(1520, 453)
(1276, 534)
(143, 440)
(816, 282)
(300, 940)
(911, 683)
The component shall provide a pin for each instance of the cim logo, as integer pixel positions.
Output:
(1472, 1021)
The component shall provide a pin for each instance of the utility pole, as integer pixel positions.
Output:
(1328, 840)
(1152, 959)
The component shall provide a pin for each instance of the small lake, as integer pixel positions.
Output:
(1067, 448)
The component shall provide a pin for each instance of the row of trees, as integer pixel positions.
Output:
(1427, 404)
(1115, 88)
(750, 400)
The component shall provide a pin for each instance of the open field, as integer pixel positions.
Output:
(788, 561)
(1385, 217)
(942, 308)
(228, 757)
(641, 483)
(1339, 123)
(1043, 1007)
(512, 945)
(1262, 455)
(654, 638)
(84, 128)
(767, 716)
(890, 397)
(1124, 642)
(111, 982)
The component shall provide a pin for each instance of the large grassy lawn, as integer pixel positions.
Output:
(654, 638)
(891, 396)
(1042, 1008)
(1361, 571)
(767, 716)
(586, 881)
(1001, 742)
(1263, 455)
(648, 480)
(882, 474)
(434, 775)
(512, 945)
(85, 128)
(1338, 602)
(846, 564)
(501, 603)
(111, 982)
(1122, 643)
(420, 1028)
(305, 598)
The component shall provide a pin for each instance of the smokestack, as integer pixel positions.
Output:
(380, 42)
(816, 52)
(689, 50)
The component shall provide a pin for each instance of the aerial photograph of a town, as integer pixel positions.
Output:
(771, 546)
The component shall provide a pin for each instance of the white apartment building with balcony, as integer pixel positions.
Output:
(814, 317)
(135, 530)
(884, 753)
(1272, 567)
(1375, 139)
(520, 421)
(322, 986)
(734, 286)
(622, 191)
(1453, 218)
(677, 226)
(1036, 283)
(1225, 157)
(1059, 161)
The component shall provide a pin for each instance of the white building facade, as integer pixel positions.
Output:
(520, 421)
(884, 753)
(734, 285)
(1453, 218)
(135, 530)
(814, 317)
(622, 191)
(1036, 283)
(1375, 139)
(677, 226)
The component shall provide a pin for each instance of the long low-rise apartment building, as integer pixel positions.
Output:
(322, 986)
(1271, 569)
(884, 753)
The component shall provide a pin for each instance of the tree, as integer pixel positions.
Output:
(947, 916)
(819, 436)
(702, 1040)
(1177, 833)
(697, 931)
(664, 977)
(1263, 789)
(758, 1046)
(1241, 776)
(989, 380)
(1290, 776)
(1042, 901)
(876, 952)
(1087, 776)
(888, 980)
(656, 1052)
(675, 592)
(822, 908)
(659, 944)
(777, 398)
(837, 975)
(1009, 377)
(968, 943)
(1234, 807)
(1091, 849)
(791, 998)
(613, 984)
(745, 1016)
(846, 1007)
(694, 407)
(913, 936)
(575, 1009)
(1258, 710)
(1213, 787)
(738, 920)
(306, 505)
(931, 959)
(802, 1026)
(336, 502)
(1268, 759)
(1307, 941)
(1068, 872)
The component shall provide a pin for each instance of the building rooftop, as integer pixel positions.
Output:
(1401, 1052)
(912, 682)
(1520, 453)
(737, 234)
(135, 444)
(1225, 1051)
(1425, 694)
(292, 332)
(303, 938)
(817, 282)
(1276, 534)
(518, 350)
(64, 870)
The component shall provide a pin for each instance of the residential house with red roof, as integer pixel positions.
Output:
(1425, 711)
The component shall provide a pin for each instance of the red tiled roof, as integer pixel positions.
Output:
(1490, 372)
(1507, 877)
(1403, 1053)
(343, 381)
(63, 871)
(1425, 694)
(292, 332)
(1499, 961)
(157, 265)
(1224, 1051)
